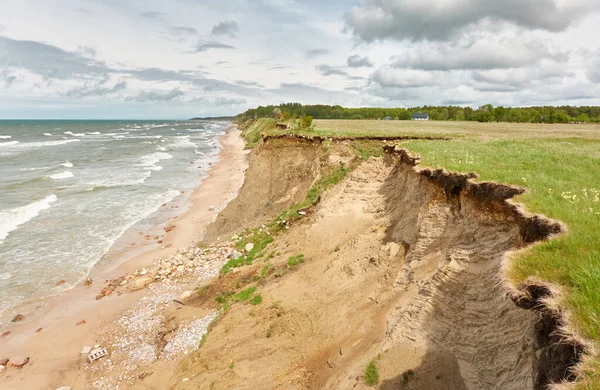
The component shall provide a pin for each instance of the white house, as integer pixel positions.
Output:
(420, 116)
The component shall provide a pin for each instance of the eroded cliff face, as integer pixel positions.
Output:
(401, 264)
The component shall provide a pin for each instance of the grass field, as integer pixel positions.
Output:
(559, 165)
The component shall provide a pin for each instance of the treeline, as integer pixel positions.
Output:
(486, 113)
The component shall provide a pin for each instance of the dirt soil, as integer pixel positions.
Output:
(397, 268)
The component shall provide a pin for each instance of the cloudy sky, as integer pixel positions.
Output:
(182, 58)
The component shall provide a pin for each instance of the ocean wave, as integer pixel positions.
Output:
(67, 165)
(10, 220)
(34, 169)
(5, 137)
(149, 162)
(62, 175)
(183, 142)
(74, 134)
(119, 182)
(10, 143)
(47, 134)
(95, 133)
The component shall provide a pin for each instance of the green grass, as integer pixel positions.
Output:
(244, 295)
(260, 240)
(295, 260)
(256, 300)
(266, 270)
(367, 149)
(372, 373)
(252, 131)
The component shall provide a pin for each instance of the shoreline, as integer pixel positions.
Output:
(55, 349)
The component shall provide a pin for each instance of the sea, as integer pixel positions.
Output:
(70, 189)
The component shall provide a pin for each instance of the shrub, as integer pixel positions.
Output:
(372, 374)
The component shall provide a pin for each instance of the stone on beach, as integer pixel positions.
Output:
(141, 283)
(85, 350)
(3, 362)
(17, 318)
(19, 361)
(249, 247)
(87, 282)
(64, 388)
(61, 282)
(186, 295)
(80, 323)
(6, 333)
(2, 368)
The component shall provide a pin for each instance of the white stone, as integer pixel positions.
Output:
(85, 350)
(64, 388)
(2, 368)
(185, 379)
(249, 246)
(181, 268)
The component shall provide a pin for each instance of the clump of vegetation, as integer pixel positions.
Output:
(306, 122)
(372, 374)
(367, 149)
(201, 290)
(256, 300)
(295, 260)
(260, 238)
(231, 365)
(244, 295)
(407, 376)
(266, 270)
(252, 130)
(270, 331)
(202, 340)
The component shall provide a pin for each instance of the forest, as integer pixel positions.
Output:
(485, 113)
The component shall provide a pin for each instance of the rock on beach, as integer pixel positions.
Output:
(19, 361)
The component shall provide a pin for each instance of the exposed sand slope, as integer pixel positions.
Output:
(396, 265)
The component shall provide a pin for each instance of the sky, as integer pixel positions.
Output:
(176, 59)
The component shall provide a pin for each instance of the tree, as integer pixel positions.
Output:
(306, 121)
(277, 113)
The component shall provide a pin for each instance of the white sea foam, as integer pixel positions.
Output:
(74, 134)
(67, 165)
(95, 133)
(47, 134)
(183, 142)
(5, 137)
(5, 276)
(62, 175)
(149, 162)
(10, 220)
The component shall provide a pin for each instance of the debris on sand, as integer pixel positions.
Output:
(17, 318)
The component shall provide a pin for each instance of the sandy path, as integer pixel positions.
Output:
(54, 350)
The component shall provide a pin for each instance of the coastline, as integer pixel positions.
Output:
(55, 349)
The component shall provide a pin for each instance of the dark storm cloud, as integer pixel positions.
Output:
(327, 70)
(229, 28)
(356, 61)
(316, 53)
(443, 20)
(205, 46)
(94, 90)
(48, 61)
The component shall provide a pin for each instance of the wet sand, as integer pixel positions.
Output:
(54, 351)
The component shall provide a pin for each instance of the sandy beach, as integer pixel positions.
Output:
(51, 337)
